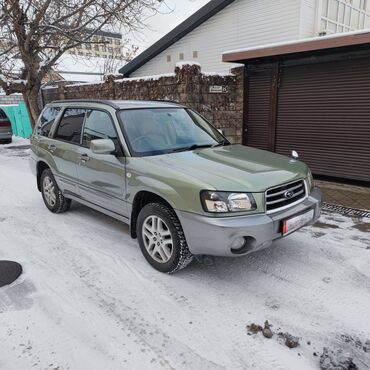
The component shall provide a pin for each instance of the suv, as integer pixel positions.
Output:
(5, 128)
(174, 178)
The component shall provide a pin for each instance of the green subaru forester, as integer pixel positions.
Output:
(175, 179)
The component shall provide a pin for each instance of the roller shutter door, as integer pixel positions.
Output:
(324, 113)
(256, 131)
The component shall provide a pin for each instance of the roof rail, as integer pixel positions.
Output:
(106, 102)
(165, 101)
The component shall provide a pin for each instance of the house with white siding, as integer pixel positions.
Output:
(223, 25)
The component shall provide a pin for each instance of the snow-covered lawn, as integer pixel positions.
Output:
(88, 300)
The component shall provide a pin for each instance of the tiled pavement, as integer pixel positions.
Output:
(346, 195)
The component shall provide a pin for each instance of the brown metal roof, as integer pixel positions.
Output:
(297, 47)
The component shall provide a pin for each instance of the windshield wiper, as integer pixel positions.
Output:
(221, 143)
(192, 147)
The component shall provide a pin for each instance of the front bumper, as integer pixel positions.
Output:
(215, 235)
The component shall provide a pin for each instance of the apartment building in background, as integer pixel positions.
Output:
(112, 47)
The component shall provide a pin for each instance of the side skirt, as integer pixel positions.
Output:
(115, 215)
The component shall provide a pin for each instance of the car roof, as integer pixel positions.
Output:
(120, 104)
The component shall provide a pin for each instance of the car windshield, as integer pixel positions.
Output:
(166, 130)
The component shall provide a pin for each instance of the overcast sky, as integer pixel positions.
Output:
(173, 13)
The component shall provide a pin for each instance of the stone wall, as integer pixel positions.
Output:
(218, 98)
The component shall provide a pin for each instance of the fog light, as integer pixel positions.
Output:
(238, 243)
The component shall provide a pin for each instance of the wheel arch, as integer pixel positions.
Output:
(141, 199)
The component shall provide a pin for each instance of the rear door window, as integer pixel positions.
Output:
(70, 125)
(46, 120)
(98, 125)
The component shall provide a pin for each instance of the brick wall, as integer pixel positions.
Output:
(188, 85)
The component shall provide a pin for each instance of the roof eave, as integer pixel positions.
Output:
(195, 20)
(299, 47)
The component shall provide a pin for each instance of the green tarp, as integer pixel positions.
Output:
(18, 116)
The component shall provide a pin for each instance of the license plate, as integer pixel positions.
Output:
(297, 222)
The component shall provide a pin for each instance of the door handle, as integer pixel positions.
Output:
(51, 148)
(84, 158)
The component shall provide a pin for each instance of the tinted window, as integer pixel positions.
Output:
(98, 125)
(70, 125)
(46, 120)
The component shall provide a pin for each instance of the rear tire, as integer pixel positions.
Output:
(161, 238)
(52, 195)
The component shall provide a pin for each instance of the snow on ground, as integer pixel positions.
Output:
(88, 300)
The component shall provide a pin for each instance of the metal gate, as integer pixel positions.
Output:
(258, 107)
(324, 113)
(320, 109)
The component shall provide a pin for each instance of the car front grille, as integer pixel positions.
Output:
(283, 196)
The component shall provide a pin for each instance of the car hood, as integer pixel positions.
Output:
(231, 168)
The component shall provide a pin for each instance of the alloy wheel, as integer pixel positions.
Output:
(157, 239)
(49, 191)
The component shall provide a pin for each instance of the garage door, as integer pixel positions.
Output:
(259, 91)
(324, 113)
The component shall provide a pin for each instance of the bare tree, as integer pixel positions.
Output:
(34, 34)
(117, 59)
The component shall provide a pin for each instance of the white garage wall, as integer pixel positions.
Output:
(242, 24)
(309, 14)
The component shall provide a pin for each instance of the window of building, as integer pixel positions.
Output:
(168, 58)
(88, 46)
(96, 47)
(46, 120)
(195, 54)
(110, 49)
(181, 56)
(70, 125)
(104, 48)
(117, 42)
(98, 125)
(344, 15)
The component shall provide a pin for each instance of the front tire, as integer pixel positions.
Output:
(52, 195)
(161, 238)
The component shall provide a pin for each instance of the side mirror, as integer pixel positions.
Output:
(102, 146)
(294, 155)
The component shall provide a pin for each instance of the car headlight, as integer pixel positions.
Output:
(223, 202)
(310, 181)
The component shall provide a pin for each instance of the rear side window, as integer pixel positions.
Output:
(46, 120)
(98, 125)
(70, 125)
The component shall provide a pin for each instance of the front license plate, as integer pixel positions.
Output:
(297, 222)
